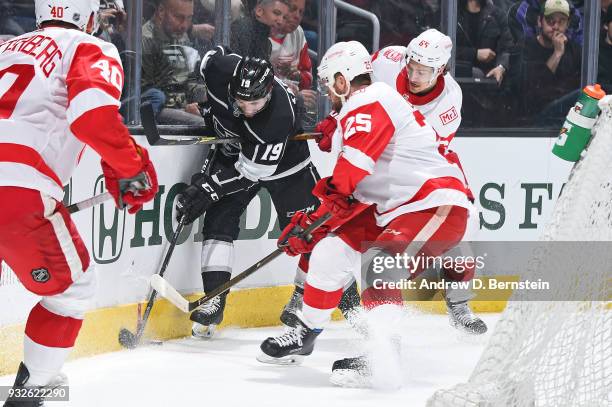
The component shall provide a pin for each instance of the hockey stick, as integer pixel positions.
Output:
(151, 131)
(202, 140)
(305, 136)
(88, 203)
(128, 339)
(171, 294)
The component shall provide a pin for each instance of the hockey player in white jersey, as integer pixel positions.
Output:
(389, 167)
(418, 73)
(62, 94)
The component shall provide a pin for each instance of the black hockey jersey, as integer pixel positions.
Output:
(267, 153)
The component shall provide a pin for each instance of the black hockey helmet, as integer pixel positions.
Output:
(253, 79)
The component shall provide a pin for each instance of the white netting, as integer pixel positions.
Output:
(557, 353)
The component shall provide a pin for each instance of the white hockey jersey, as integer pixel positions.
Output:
(441, 107)
(59, 90)
(294, 45)
(389, 156)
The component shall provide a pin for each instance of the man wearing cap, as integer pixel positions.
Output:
(523, 20)
(550, 64)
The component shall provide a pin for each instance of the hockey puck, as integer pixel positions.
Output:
(127, 339)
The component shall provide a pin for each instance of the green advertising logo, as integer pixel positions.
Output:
(108, 229)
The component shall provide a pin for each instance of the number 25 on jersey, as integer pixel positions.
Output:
(359, 122)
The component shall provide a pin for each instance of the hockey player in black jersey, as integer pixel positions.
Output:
(245, 100)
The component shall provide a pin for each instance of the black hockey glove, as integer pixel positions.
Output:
(204, 109)
(197, 197)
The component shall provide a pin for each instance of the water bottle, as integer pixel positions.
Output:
(576, 131)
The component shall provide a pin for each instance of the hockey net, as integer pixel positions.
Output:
(557, 353)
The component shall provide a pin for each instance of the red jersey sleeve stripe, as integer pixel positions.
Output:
(103, 130)
(92, 68)
(358, 159)
(346, 176)
(87, 100)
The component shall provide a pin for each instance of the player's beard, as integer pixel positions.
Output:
(336, 104)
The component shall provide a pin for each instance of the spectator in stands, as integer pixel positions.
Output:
(402, 20)
(169, 64)
(249, 34)
(606, 10)
(504, 5)
(550, 65)
(483, 40)
(523, 18)
(604, 71)
(203, 20)
(289, 49)
(290, 57)
(310, 24)
(112, 21)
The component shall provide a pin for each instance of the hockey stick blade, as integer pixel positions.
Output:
(131, 340)
(127, 339)
(171, 294)
(147, 118)
(166, 290)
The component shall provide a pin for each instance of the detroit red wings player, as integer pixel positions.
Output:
(428, 89)
(389, 164)
(59, 92)
(418, 73)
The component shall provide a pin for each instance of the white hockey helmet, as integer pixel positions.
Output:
(430, 48)
(77, 12)
(349, 59)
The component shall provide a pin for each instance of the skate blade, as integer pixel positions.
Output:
(467, 331)
(349, 378)
(203, 332)
(289, 360)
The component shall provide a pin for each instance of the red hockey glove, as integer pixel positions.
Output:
(340, 205)
(292, 243)
(327, 127)
(132, 191)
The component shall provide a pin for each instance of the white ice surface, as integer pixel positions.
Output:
(223, 372)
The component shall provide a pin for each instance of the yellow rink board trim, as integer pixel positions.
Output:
(249, 308)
